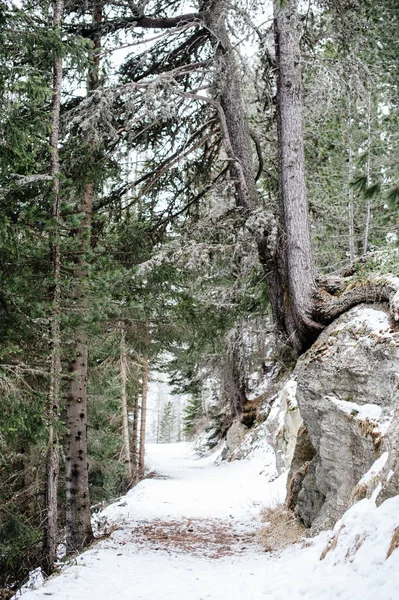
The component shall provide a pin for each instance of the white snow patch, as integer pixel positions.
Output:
(290, 389)
(197, 488)
(376, 320)
(365, 412)
(375, 469)
(372, 412)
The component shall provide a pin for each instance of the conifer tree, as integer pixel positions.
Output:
(168, 422)
(54, 397)
(78, 519)
(192, 413)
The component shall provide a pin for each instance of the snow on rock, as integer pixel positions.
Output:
(371, 480)
(35, 582)
(375, 469)
(363, 538)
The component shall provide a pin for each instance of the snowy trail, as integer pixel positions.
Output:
(189, 535)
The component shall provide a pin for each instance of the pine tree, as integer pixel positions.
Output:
(192, 413)
(168, 422)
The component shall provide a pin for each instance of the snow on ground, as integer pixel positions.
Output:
(190, 535)
(198, 488)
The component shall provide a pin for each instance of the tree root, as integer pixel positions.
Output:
(336, 295)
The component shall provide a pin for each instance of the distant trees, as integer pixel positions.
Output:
(167, 425)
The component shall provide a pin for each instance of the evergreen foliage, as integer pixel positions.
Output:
(193, 411)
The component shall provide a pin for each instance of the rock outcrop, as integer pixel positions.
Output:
(347, 392)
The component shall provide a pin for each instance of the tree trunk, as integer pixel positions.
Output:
(50, 533)
(286, 252)
(143, 418)
(78, 520)
(135, 431)
(125, 415)
(235, 376)
(351, 221)
(368, 202)
(232, 114)
(158, 414)
(351, 207)
(299, 277)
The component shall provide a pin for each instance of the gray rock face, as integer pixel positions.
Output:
(347, 390)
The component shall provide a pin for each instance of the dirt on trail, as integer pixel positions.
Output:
(211, 538)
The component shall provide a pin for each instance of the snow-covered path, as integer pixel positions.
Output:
(188, 534)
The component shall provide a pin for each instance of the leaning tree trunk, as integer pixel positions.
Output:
(78, 518)
(295, 244)
(232, 113)
(50, 533)
(285, 251)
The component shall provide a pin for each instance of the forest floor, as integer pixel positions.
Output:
(191, 532)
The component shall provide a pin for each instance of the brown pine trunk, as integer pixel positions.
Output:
(78, 519)
(135, 431)
(351, 208)
(125, 413)
(50, 533)
(143, 417)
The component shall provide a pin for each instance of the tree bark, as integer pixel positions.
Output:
(50, 532)
(125, 414)
(235, 376)
(135, 431)
(143, 422)
(78, 519)
(351, 207)
(144, 391)
(368, 164)
(232, 115)
(295, 244)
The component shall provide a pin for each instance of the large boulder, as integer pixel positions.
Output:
(347, 391)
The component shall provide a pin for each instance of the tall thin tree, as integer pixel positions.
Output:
(144, 392)
(125, 413)
(50, 537)
(78, 521)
